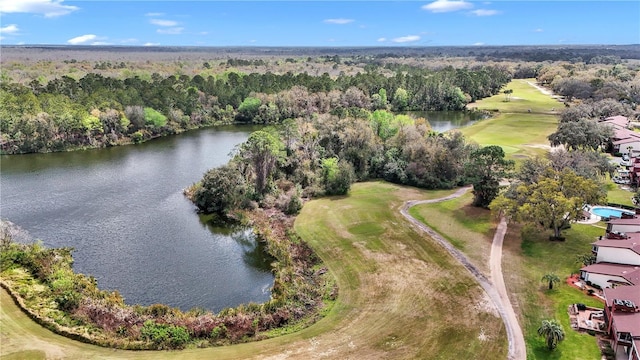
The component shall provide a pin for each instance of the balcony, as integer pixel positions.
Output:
(624, 339)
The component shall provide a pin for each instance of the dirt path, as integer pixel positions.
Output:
(495, 288)
(542, 90)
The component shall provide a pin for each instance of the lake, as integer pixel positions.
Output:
(123, 211)
(442, 121)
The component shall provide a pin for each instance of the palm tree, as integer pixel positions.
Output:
(551, 278)
(552, 331)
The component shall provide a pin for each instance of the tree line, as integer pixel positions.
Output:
(98, 111)
(279, 166)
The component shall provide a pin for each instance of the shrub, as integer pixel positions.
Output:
(137, 137)
(68, 300)
(154, 118)
(294, 206)
(218, 332)
(171, 336)
(158, 310)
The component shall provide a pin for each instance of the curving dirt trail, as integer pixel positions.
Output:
(495, 288)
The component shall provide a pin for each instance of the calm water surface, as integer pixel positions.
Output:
(123, 211)
(442, 121)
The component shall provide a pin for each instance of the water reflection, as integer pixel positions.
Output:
(442, 121)
(254, 251)
(123, 211)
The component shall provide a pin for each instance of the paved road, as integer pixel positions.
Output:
(495, 288)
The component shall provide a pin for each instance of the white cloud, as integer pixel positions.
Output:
(82, 39)
(171, 31)
(484, 12)
(478, 44)
(440, 6)
(151, 44)
(338, 21)
(48, 8)
(100, 43)
(408, 38)
(153, 14)
(9, 29)
(538, 30)
(382, 39)
(161, 22)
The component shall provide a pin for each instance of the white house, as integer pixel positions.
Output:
(626, 251)
(608, 275)
(624, 225)
(627, 146)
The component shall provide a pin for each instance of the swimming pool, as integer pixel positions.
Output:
(608, 212)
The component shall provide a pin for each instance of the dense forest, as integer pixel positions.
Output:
(97, 98)
(97, 111)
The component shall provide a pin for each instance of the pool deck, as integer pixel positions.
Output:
(593, 218)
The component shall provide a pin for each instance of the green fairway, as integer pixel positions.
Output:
(520, 133)
(525, 99)
(401, 295)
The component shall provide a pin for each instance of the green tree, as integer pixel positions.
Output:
(221, 190)
(400, 99)
(337, 176)
(551, 278)
(382, 124)
(552, 331)
(289, 133)
(249, 108)
(507, 94)
(261, 151)
(581, 134)
(153, 118)
(486, 167)
(553, 202)
(586, 259)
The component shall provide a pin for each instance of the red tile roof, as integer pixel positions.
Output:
(618, 121)
(631, 273)
(633, 243)
(623, 133)
(633, 221)
(625, 321)
(624, 293)
(627, 140)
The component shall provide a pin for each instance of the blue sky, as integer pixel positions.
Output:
(319, 23)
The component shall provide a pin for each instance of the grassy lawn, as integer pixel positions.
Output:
(539, 256)
(526, 259)
(401, 295)
(468, 228)
(617, 195)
